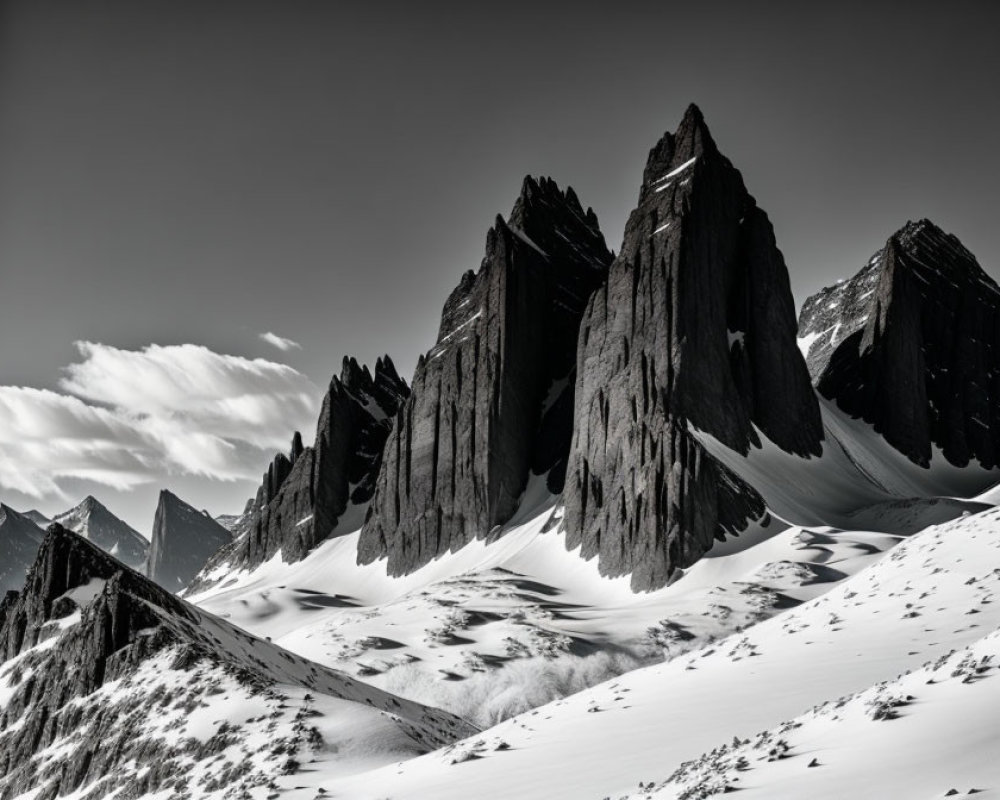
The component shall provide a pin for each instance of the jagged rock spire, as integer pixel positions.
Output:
(323, 490)
(492, 400)
(695, 329)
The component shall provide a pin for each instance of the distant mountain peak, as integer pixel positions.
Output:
(93, 521)
(184, 538)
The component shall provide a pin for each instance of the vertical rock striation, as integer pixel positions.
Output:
(306, 495)
(492, 400)
(183, 540)
(695, 328)
(917, 353)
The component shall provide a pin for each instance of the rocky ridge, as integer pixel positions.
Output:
(103, 674)
(315, 492)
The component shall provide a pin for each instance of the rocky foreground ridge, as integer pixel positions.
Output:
(103, 673)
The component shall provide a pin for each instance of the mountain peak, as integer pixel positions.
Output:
(184, 538)
(540, 201)
(90, 504)
(690, 141)
(92, 520)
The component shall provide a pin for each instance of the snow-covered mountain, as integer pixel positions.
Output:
(238, 524)
(492, 400)
(625, 538)
(95, 523)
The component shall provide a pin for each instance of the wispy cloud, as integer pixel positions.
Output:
(280, 342)
(132, 416)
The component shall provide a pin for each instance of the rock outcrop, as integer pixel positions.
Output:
(95, 523)
(104, 672)
(20, 538)
(238, 524)
(314, 492)
(183, 540)
(911, 345)
(491, 401)
(695, 329)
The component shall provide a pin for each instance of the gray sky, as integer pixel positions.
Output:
(205, 172)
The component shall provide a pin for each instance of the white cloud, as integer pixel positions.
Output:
(133, 416)
(280, 342)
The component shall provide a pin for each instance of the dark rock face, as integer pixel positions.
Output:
(183, 540)
(102, 623)
(20, 538)
(491, 400)
(95, 523)
(695, 327)
(305, 495)
(921, 361)
(238, 524)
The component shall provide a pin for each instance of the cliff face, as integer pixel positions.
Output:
(183, 540)
(695, 328)
(19, 541)
(919, 360)
(306, 495)
(492, 400)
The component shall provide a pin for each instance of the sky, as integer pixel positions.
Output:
(205, 205)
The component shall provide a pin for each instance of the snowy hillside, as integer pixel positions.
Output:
(497, 629)
(933, 594)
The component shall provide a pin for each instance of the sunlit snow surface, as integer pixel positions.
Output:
(936, 592)
(497, 629)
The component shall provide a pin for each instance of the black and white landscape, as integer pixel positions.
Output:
(626, 519)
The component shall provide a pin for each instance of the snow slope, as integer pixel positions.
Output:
(501, 627)
(929, 733)
(934, 593)
(859, 481)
